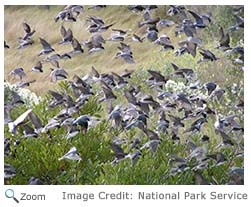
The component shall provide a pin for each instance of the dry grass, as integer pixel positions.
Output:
(146, 54)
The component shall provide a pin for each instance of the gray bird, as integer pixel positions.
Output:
(58, 74)
(38, 67)
(67, 35)
(207, 56)
(239, 24)
(72, 154)
(18, 72)
(224, 40)
(82, 121)
(201, 21)
(35, 181)
(191, 44)
(46, 47)
(23, 43)
(28, 31)
(76, 47)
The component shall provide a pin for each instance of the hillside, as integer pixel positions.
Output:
(146, 55)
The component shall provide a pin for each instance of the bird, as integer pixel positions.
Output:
(67, 35)
(224, 40)
(76, 47)
(116, 38)
(28, 31)
(6, 45)
(38, 67)
(165, 23)
(20, 120)
(151, 35)
(128, 58)
(25, 83)
(72, 154)
(165, 42)
(191, 44)
(176, 10)
(23, 43)
(136, 38)
(186, 73)
(207, 56)
(35, 181)
(58, 74)
(210, 87)
(97, 7)
(118, 153)
(200, 21)
(82, 121)
(121, 32)
(46, 47)
(239, 24)
(18, 72)
(95, 43)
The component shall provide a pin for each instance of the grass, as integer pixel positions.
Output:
(146, 54)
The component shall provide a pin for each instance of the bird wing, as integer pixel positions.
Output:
(56, 95)
(55, 63)
(22, 117)
(197, 17)
(38, 65)
(175, 67)
(75, 44)
(63, 31)
(35, 120)
(44, 43)
(156, 75)
(95, 73)
(26, 27)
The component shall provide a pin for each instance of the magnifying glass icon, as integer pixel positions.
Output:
(10, 194)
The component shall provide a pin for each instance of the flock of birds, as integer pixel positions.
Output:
(156, 114)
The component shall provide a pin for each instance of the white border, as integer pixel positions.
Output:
(53, 193)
